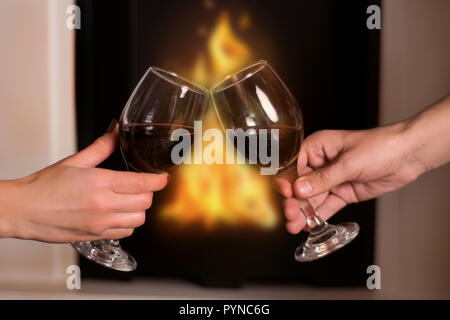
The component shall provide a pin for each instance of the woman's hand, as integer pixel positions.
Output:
(74, 201)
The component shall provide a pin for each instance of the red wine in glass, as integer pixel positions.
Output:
(289, 139)
(147, 147)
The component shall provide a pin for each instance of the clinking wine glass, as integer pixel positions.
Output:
(161, 103)
(256, 98)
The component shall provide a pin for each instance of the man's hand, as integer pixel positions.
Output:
(341, 167)
(74, 201)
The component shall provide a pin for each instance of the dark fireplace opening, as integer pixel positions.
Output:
(324, 53)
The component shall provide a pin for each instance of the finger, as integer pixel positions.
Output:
(320, 180)
(322, 147)
(302, 161)
(98, 151)
(294, 227)
(296, 215)
(306, 170)
(283, 187)
(348, 191)
(317, 200)
(127, 220)
(133, 182)
(296, 218)
(131, 202)
(51, 234)
(330, 206)
(114, 234)
(291, 209)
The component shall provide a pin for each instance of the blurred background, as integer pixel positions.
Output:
(59, 89)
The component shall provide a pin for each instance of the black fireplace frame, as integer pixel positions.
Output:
(331, 64)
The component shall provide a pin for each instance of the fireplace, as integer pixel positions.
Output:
(223, 225)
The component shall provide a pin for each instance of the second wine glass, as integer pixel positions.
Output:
(256, 98)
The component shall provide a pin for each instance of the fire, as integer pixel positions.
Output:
(220, 194)
(226, 54)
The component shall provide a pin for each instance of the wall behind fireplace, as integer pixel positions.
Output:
(413, 241)
(37, 114)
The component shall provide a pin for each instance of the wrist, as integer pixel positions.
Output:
(9, 202)
(411, 144)
(428, 137)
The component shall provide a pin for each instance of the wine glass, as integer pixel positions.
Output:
(161, 103)
(256, 98)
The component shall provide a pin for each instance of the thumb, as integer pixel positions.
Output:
(98, 151)
(320, 180)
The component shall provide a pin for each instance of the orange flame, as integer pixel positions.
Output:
(214, 194)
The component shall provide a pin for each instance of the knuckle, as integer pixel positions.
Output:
(161, 182)
(140, 182)
(147, 200)
(323, 134)
(290, 213)
(141, 219)
(125, 233)
(322, 177)
(293, 228)
(99, 203)
(97, 228)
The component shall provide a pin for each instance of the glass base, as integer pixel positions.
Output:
(108, 253)
(325, 241)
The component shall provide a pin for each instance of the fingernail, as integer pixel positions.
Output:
(111, 126)
(304, 186)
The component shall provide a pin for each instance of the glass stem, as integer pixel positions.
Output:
(313, 220)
